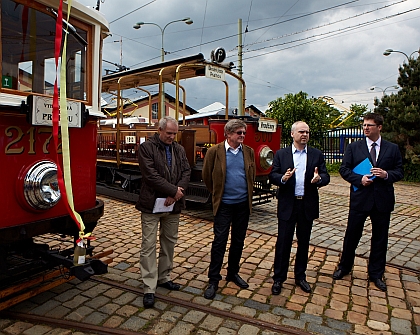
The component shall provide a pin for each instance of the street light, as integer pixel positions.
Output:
(387, 52)
(383, 90)
(138, 25)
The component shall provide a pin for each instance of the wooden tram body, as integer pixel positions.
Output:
(118, 173)
(30, 202)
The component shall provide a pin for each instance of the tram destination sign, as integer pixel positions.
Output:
(40, 111)
(267, 125)
(215, 72)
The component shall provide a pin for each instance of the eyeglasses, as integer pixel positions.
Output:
(240, 132)
(368, 125)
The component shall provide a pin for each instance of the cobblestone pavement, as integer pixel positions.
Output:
(343, 307)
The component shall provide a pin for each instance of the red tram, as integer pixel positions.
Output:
(31, 201)
(118, 174)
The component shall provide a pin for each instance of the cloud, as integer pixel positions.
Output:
(302, 47)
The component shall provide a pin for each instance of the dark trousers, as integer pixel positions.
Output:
(286, 230)
(378, 242)
(238, 216)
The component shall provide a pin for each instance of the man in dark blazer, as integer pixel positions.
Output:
(298, 171)
(229, 174)
(371, 195)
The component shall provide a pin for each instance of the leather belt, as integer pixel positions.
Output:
(299, 197)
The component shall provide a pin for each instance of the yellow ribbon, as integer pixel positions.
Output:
(64, 126)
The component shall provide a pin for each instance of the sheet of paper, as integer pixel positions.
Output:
(160, 207)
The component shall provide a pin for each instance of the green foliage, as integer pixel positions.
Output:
(356, 118)
(411, 172)
(401, 112)
(333, 168)
(297, 107)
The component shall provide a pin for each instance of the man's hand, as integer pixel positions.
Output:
(378, 172)
(366, 181)
(316, 177)
(288, 174)
(179, 194)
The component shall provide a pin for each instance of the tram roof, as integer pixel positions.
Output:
(149, 75)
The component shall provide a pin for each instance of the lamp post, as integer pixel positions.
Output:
(383, 90)
(387, 52)
(138, 25)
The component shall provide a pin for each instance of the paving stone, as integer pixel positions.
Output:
(339, 325)
(248, 330)
(17, 328)
(257, 305)
(294, 323)
(134, 323)
(37, 330)
(211, 323)
(45, 307)
(310, 318)
(314, 327)
(182, 328)
(400, 326)
(194, 317)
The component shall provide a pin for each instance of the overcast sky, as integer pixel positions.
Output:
(324, 47)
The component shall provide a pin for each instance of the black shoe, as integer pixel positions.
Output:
(339, 274)
(210, 291)
(276, 288)
(170, 285)
(149, 300)
(303, 284)
(379, 283)
(237, 280)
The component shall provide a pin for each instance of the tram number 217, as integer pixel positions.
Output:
(21, 140)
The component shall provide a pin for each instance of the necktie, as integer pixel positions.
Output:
(168, 155)
(373, 153)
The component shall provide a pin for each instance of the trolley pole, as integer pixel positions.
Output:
(240, 93)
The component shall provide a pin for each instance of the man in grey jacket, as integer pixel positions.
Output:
(165, 176)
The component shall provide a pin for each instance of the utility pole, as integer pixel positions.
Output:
(240, 92)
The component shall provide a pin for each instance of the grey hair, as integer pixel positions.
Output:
(164, 121)
(294, 125)
(234, 124)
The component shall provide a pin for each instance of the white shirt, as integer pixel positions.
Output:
(299, 161)
(232, 150)
(377, 146)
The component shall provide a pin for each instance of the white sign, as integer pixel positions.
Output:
(42, 112)
(267, 125)
(215, 72)
(130, 140)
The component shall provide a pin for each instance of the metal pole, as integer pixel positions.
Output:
(162, 109)
(240, 93)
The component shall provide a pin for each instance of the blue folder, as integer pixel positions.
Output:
(363, 168)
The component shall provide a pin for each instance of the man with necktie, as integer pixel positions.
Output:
(370, 195)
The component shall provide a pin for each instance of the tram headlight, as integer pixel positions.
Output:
(266, 157)
(40, 185)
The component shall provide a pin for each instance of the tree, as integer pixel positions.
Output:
(298, 107)
(356, 118)
(401, 112)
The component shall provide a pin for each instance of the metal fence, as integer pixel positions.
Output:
(333, 143)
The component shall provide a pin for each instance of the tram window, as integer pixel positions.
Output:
(155, 109)
(27, 51)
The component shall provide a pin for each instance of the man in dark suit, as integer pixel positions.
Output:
(371, 195)
(298, 171)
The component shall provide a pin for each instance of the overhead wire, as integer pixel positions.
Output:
(332, 34)
(263, 27)
(132, 11)
(323, 25)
